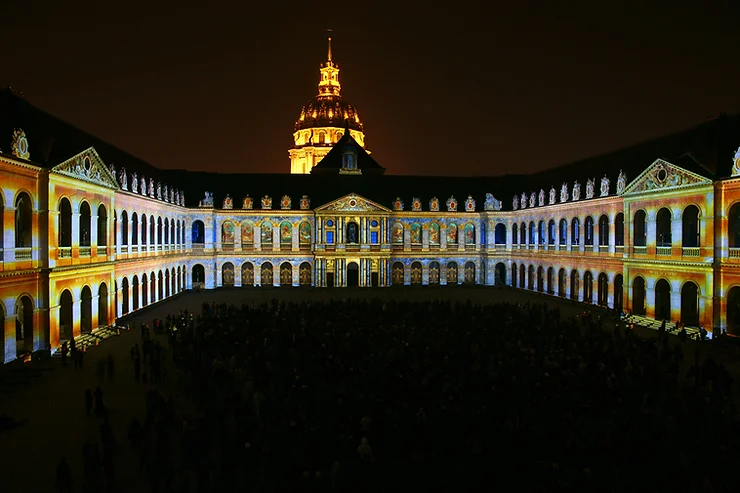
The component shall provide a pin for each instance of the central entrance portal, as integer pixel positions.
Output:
(353, 275)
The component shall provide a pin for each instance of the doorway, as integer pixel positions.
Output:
(374, 279)
(353, 275)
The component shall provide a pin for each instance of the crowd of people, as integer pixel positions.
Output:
(431, 396)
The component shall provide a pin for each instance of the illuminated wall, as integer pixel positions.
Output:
(80, 249)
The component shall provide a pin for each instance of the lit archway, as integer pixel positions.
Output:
(638, 296)
(662, 300)
(102, 305)
(690, 304)
(86, 310)
(66, 317)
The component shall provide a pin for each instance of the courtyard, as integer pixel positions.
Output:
(52, 408)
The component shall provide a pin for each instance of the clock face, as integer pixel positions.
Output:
(353, 203)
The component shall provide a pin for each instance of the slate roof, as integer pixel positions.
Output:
(53, 141)
(332, 162)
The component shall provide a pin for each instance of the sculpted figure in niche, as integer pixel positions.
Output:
(124, 179)
(564, 193)
(532, 199)
(553, 194)
(182, 199)
(142, 189)
(542, 197)
(523, 201)
(113, 172)
(134, 183)
(590, 188)
(151, 187)
(621, 181)
(165, 193)
(159, 191)
(576, 191)
(515, 203)
(604, 186)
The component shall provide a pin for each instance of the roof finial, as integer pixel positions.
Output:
(328, 31)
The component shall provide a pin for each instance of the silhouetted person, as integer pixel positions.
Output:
(64, 477)
(88, 402)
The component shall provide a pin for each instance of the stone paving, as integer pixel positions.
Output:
(52, 401)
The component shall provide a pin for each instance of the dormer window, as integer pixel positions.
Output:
(349, 160)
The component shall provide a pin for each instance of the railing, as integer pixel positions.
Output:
(198, 247)
(639, 250)
(286, 247)
(734, 252)
(588, 248)
(134, 248)
(124, 248)
(551, 246)
(690, 251)
(663, 250)
(101, 251)
(247, 246)
(65, 252)
(167, 248)
(619, 249)
(500, 246)
(228, 247)
(159, 248)
(23, 253)
(603, 248)
(85, 251)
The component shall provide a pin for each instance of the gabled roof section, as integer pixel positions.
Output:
(352, 202)
(662, 175)
(52, 141)
(87, 166)
(332, 162)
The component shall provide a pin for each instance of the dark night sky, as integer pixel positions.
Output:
(462, 88)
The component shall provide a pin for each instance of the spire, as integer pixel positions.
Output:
(329, 81)
(329, 36)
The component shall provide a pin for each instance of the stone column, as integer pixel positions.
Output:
(9, 246)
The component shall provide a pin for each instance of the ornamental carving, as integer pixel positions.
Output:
(523, 201)
(576, 191)
(19, 145)
(165, 193)
(207, 200)
(177, 197)
(182, 199)
(151, 187)
(134, 183)
(604, 186)
(142, 188)
(621, 182)
(532, 200)
(398, 204)
(159, 190)
(247, 203)
(564, 193)
(434, 204)
(124, 179)
(305, 203)
(590, 188)
(228, 202)
(491, 203)
(515, 203)
(553, 195)
(451, 204)
(470, 204)
(267, 202)
(541, 198)
(416, 204)
(736, 163)
(285, 202)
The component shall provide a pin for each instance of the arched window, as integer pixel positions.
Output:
(143, 230)
(638, 296)
(65, 223)
(266, 233)
(532, 233)
(86, 310)
(639, 229)
(662, 300)
(603, 230)
(499, 234)
(588, 231)
(134, 230)
(66, 317)
(102, 226)
(166, 228)
(85, 218)
(733, 227)
(551, 232)
(563, 232)
(159, 231)
(198, 232)
(515, 234)
(690, 227)
(663, 237)
(523, 234)
(135, 293)
(619, 229)
(414, 233)
(575, 232)
(102, 305)
(397, 233)
(152, 231)
(124, 227)
(227, 233)
(286, 233)
(541, 233)
(23, 221)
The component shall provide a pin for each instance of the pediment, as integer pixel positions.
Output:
(662, 175)
(352, 203)
(87, 166)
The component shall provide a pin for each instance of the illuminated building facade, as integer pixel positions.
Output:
(91, 233)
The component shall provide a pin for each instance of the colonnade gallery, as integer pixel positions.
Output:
(92, 233)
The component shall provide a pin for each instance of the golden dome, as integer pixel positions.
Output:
(328, 111)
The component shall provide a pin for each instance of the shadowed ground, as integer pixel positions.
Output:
(54, 406)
